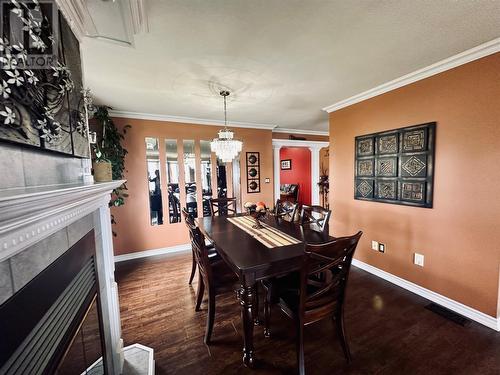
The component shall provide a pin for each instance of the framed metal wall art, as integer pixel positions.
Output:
(41, 91)
(253, 172)
(396, 166)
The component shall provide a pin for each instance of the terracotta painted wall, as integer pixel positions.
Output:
(300, 172)
(134, 232)
(460, 236)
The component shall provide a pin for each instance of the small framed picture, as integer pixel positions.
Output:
(286, 164)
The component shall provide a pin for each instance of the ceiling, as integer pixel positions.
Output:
(282, 60)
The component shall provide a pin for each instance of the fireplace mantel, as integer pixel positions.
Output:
(29, 215)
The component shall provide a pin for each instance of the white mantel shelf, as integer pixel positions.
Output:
(27, 215)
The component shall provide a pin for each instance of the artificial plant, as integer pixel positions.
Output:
(110, 148)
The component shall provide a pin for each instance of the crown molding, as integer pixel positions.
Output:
(78, 17)
(188, 120)
(300, 131)
(134, 14)
(139, 16)
(485, 49)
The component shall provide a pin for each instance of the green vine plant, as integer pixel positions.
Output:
(110, 149)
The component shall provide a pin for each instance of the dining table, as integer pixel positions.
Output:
(252, 259)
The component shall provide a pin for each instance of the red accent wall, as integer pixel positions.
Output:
(300, 172)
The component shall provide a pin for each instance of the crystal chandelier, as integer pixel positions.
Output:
(225, 146)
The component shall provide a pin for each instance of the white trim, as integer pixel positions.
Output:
(78, 17)
(314, 175)
(453, 305)
(139, 16)
(149, 253)
(28, 215)
(301, 131)
(276, 170)
(485, 49)
(188, 120)
(297, 143)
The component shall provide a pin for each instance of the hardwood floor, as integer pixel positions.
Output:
(389, 330)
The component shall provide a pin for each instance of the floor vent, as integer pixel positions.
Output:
(448, 314)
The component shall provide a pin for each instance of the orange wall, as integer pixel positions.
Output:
(134, 232)
(460, 236)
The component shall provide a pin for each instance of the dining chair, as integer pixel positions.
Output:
(315, 217)
(222, 206)
(286, 210)
(190, 223)
(214, 276)
(318, 290)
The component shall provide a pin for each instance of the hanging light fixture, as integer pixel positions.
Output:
(225, 146)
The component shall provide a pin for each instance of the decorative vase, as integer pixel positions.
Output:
(102, 171)
(257, 215)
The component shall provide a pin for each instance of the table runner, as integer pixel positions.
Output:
(268, 236)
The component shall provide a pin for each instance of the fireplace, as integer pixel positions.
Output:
(54, 323)
(59, 308)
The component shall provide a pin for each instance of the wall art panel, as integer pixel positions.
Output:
(396, 166)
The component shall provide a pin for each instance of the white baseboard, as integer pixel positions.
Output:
(149, 253)
(458, 307)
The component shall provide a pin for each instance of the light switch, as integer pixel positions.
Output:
(418, 259)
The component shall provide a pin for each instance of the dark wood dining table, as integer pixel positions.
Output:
(252, 261)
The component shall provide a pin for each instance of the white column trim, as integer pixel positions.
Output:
(276, 161)
(108, 293)
(314, 175)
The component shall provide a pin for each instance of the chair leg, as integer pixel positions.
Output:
(193, 270)
(300, 348)
(201, 291)
(339, 320)
(210, 316)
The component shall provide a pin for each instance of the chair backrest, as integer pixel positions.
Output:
(223, 206)
(294, 189)
(315, 217)
(188, 218)
(324, 274)
(286, 210)
(200, 252)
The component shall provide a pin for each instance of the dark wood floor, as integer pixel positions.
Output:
(389, 330)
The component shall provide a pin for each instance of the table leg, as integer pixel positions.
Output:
(246, 301)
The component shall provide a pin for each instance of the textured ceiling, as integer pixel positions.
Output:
(282, 60)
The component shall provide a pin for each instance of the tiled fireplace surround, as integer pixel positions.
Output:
(45, 208)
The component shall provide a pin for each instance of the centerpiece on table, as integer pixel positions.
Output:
(257, 211)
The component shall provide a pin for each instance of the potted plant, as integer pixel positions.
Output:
(103, 170)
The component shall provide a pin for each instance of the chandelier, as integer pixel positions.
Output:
(225, 146)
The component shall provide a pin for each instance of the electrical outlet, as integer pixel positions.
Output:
(375, 245)
(418, 259)
(267, 180)
(381, 247)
